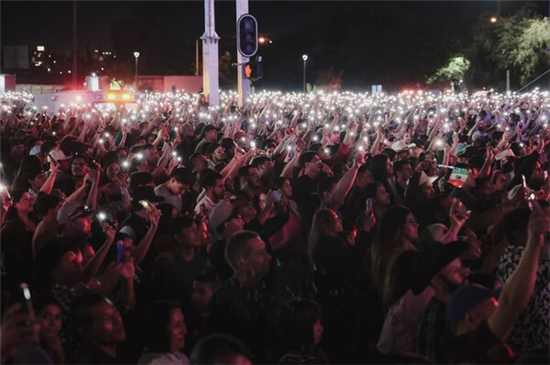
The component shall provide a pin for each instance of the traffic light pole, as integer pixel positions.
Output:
(243, 84)
(210, 78)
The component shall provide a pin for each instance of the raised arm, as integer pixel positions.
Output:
(345, 184)
(519, 287)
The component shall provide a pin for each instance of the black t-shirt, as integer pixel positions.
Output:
(17, 256)
(173, 277)
(304, 192)
(335, 265)
(242, 312)
(217, 261)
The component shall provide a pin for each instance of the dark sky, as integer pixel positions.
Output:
(389, 38)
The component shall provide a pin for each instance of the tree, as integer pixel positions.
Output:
(456, 67)
(523, 45)
(329, 80)
(518, 43)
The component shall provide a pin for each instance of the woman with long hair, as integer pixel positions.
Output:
(164, 335)
(301, 332)
(334, 271)
(291, 237)
(382, 171)
(16, 237)
(49, 316)
(397, 232)
(380, 198)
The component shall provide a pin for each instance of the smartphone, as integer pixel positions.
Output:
(276, 196)
(119, 251)
(4, 188)
(238, 147)
(147, 205)
(524, 181)
(103, 217)
(26, 302)
(369, 205)
(459, 176)
(530, 200)
(53, 159)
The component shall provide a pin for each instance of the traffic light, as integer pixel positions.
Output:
(254, 70)
(247, 35)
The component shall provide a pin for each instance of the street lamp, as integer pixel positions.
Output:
(304, 57)
(136, 55)
(493, 19)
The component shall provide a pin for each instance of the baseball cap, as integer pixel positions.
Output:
(146, 193)
(426, 179)
(58, 155)
(128, 231)
(461, 148)
(209, 128)
(139, 178)
(505, 154)
(478, 135)
(469, 151)
(399, 146)
(31, 171)
(35, 150)
(212, 147)
(432, 260)
(465, 298)
(71, 211)
(221, 213)
(431, 234)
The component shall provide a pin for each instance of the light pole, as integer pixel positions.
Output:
(197, 56)
(136, 55)
(304, 57)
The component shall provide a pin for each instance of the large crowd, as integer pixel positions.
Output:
(330, 227)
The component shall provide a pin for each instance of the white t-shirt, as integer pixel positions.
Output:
(169, 198)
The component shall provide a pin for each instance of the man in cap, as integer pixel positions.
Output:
(139, 178)
(409, 281)
(63, 161)
(419, 193)
(402, 150)
(75, 226)
(139, 219)
(483, 322)
(439, 267)
(226, 221)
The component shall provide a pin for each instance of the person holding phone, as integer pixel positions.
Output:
(17, 341)
(114, 196)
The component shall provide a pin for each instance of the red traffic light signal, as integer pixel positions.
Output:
(254, 70)
(247, 35)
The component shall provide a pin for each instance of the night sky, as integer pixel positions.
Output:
(369, 42)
